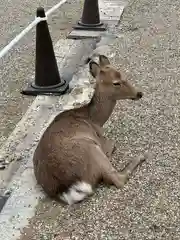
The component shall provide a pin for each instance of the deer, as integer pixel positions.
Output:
(73, 156)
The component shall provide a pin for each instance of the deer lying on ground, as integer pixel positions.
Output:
(73, 156)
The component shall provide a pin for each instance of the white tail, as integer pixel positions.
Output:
(76, 193)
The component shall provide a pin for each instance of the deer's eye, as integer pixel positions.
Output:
(116, 83)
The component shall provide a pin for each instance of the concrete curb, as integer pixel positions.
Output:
(20, 146)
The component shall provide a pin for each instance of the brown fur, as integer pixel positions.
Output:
(73, 147)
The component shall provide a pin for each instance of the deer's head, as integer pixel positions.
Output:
(110, 81)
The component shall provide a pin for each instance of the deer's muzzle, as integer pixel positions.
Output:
(138, 96)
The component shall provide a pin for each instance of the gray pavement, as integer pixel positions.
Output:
(148, 207)
(17, 67)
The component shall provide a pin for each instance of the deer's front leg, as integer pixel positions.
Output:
(111, 176)
(108, 146)
(107, 173)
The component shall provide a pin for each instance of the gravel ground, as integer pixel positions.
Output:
(148, 207)
(17, 67)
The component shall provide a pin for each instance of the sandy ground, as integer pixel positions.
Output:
(148, 206)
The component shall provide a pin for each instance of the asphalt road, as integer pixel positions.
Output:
(17, 67)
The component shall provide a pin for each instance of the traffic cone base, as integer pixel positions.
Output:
(57, 90)
(90, 17)
(94, 27)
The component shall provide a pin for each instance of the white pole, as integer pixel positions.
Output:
(28, 28)
(51, 10)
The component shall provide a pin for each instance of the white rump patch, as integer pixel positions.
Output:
(76, 193)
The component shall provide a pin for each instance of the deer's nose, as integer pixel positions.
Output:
(139, 95)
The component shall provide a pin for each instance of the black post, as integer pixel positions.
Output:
(90, 18)
(47, 78)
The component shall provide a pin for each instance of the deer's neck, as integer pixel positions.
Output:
(100, 107)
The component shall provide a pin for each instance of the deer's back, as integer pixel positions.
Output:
(63, 151)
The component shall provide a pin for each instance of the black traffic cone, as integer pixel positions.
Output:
(90, 18)
(47, 78)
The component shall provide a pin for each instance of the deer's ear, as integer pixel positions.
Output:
(103, 61)
(94, 68)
